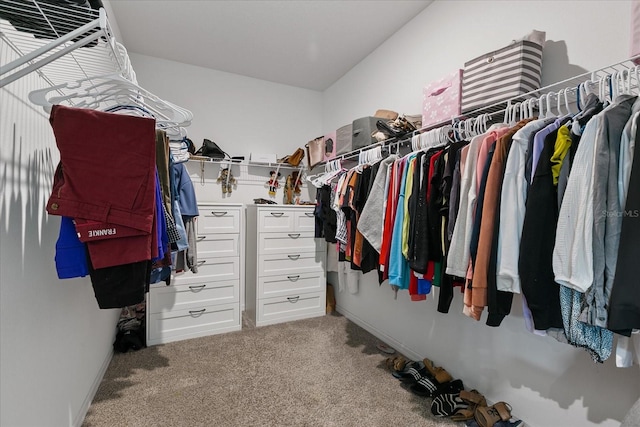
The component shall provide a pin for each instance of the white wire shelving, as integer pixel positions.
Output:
(555, 92)
(60, 43)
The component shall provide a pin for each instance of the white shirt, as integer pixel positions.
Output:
(573, 251)
(512, 208)
(459, 252)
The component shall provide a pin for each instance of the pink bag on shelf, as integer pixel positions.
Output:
(330, 146)
(441, 99)
(635, 31)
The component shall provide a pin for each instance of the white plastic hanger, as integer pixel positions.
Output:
(507, 113)
(566, 101)
(558, 104)
(541, 104)
(550, 114)
(114, 88)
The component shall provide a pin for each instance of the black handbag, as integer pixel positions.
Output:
(211, 149)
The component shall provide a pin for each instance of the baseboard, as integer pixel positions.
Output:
(389, 340)
(82, 412)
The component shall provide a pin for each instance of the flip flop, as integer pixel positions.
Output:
(410, 371)
(385, 348)
(448, 404)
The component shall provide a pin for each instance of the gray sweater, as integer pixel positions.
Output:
(370, 222)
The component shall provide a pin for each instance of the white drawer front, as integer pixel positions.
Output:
(180, 324)
(182, 297)
(305, 221)
(276, 220)
(292, 242)
(272, 286)
(218, 245)
(214, 220)
(288, 264)
(292, 307)
(211, 270)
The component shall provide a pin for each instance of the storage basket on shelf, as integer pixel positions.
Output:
(502, 74)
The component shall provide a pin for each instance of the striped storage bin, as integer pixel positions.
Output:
(502, 74)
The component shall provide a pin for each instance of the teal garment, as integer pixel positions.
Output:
(399, 270)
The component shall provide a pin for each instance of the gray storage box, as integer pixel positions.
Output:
(362, 130)
(344, 139)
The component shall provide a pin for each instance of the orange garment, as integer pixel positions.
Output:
(490, 205)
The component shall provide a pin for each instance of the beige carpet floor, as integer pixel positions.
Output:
(316, 372)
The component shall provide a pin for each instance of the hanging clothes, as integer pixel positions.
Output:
(624, 307)
(490, 207)
(372, 218)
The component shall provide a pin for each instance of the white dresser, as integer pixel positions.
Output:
(208, 302)
(286, 276)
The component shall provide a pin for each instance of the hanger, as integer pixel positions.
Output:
(566, 101)
(549, 114)
(507, 113)
(94, 91)
(558, 106)
(541, 104)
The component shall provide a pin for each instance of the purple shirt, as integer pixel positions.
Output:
(538, 144)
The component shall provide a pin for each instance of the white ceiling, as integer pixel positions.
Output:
(302, 43)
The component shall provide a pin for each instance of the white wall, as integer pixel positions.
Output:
(547, 383)
(580, 37)
(241, 114)
(55, 343)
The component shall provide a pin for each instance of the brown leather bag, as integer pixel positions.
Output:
(315, 151)
(386, 114)
(296, 157)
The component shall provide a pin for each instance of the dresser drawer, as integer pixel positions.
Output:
(211, 270)
(181, 324)
(218, 245)
(272, 286)
(291, 307)
(182, 297)
(292, 242)
(276, 220)
(289, 264)
(305, 221)
(215, 219)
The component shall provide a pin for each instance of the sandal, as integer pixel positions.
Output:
(487, 416)
(474, 400)
(448, 404)
(440, 374)
(395, 363)
(405, 372)
(411, 372)
(427, 386)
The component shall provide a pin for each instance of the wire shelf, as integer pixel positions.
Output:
(496, 111)
(61, 44)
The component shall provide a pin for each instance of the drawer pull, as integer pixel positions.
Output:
(197, 313)
(293, 257)
(201, 262)
(214, 213)
(294, 235)
(201, 238)
(309, 214)
(277, 214)
(293, 300)
(293, 278)
(197, 288)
